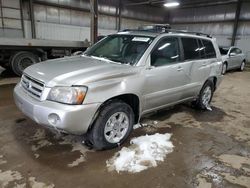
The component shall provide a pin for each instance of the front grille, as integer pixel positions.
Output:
(32, 86)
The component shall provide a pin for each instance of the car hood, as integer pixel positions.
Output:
(77, 70)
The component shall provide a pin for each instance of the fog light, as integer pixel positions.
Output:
(53, 119)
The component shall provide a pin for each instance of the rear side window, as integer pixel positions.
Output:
(202, 49)
(209, 49)
(238, 51)
(190, 48)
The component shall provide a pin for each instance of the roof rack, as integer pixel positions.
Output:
(188, 32)
(156, 28)
(165, 28)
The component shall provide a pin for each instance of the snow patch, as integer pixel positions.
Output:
(35, 184)
(144, 152)
(2, 161)
(39, 140)
(40, 144)
(77, 161)
(36, 155)
(139, 125)
(32, 183)
(8, 176)
(136, 126)
(76, 146)
(39, 134)
(244, 181)
(23, 185)
(202, 182)
(236, 161)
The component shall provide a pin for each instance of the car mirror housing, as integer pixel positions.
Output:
(232, 54)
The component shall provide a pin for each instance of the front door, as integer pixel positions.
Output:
(165, 78)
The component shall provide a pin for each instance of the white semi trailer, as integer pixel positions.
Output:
(19, 53)
(35, 30)
(19, 45)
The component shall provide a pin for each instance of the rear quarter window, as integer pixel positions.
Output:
(209, 49)
(190, 48)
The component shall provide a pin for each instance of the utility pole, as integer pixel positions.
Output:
(236, 22)
(94, 20)
(32, 19)
(120, 15)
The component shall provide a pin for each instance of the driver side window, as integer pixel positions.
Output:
(233, 51)
(110, 47)
(165, 52)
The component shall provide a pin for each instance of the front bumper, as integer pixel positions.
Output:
(73, 119)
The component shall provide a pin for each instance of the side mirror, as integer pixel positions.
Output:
(232, 54)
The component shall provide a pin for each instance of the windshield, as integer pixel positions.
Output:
(125, 49)
(224, 51)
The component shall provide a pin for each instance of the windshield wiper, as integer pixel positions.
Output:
(105, 59)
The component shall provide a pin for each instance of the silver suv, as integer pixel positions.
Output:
(105, 91)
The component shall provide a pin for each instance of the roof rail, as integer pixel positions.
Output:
(156, 28)
(188, 32)
(165, 28)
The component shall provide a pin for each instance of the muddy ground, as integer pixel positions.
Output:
(212, 149)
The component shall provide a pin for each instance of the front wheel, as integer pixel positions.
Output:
(224, 68)
(112, 126)
(205, 96)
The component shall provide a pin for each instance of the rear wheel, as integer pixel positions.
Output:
(22, 60)
(205, 96)
(112, 126)
(242, 66)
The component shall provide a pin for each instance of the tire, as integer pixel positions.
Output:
(22, 60)
(99, 136)
(242, 66)
(224, 68)
(202, 102)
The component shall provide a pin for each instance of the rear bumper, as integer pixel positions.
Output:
(73, 119)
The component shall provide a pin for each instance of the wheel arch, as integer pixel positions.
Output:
(131, 99)
(212, 79)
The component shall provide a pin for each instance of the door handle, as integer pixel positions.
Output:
(179, 68)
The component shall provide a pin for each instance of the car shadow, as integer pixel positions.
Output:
(6, 73)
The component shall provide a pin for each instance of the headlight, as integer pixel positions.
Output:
(68, 95)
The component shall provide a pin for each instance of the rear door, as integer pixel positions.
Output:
(199, 54)
(196, 67)
(165, 78)
(233, 60)
(240, 56)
